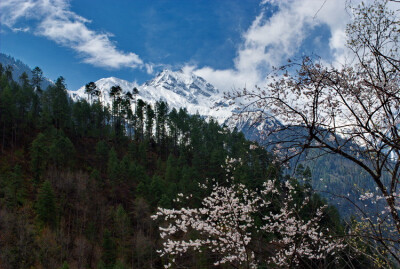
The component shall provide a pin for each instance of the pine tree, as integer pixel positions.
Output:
(8, 110)
(156, 189)
(37, 78)
(161, 120)
(172, 122)
(46, 209)
(115, 93)
(24, 80)
(56, 107)
(14, 189)
(109, 255)
(122, 228)
(62, 151)
(39, 156)
(90, 89)
(113, 165)
(8, 72)
(102, 151)
(172, 170)
(139, 123)
(149, 121)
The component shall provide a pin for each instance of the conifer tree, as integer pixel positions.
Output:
(39, 155)
(139, 127)
(62, 151)
(115, 93)
(102, 151)
(172, 170)
(56, 105)
(90, 89)
(37, 78)
(149, 121)
(109, 255)
(122, 228)
(14, 192)
(46, 208)
(8, 72)
(8, 110)
(113, 165)
(161, 120)
(24, 80)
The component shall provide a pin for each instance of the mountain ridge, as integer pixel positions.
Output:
(178, 88)
(20, 67)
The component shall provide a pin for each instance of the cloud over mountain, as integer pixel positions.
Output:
(278, 33)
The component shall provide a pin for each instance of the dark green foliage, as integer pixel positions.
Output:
(113, 165)
(139, 126)
(102, 150)
(8, 72)
(46, 208)
(17, 240)
(119, 265)
(81, 111)
(37, 78)
(90, 89)
(65, 265)
(13, 187)
(16, 110)
(109, 255)
(172, 173)
(62, 151)
(56, 106)
(161, 120)
(149, 121)
(24, 80)
(39, 155)
(123, 231)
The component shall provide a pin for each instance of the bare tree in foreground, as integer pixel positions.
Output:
(352, 111)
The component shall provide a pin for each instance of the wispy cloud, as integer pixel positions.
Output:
(272, 39)
(54, 20)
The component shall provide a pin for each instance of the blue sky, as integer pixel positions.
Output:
(231, 43)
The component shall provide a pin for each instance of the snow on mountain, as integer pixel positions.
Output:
(179, 89)
(104, 85)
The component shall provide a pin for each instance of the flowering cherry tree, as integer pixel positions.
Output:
(226, 225)
(352, 111)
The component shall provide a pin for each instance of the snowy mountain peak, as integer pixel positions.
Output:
(106, 84)
(179, 89)
(183, 83)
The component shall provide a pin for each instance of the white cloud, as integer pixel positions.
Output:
(54, 20)
(270, 41)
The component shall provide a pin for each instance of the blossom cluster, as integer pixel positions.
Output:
(226, 225)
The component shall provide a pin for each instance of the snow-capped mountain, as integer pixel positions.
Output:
(179, 89)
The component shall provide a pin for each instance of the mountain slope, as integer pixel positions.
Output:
(19, 67)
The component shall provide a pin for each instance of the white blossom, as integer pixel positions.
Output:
(226, 224)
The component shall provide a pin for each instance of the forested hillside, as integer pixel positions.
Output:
(17, 68)
(80, 181)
